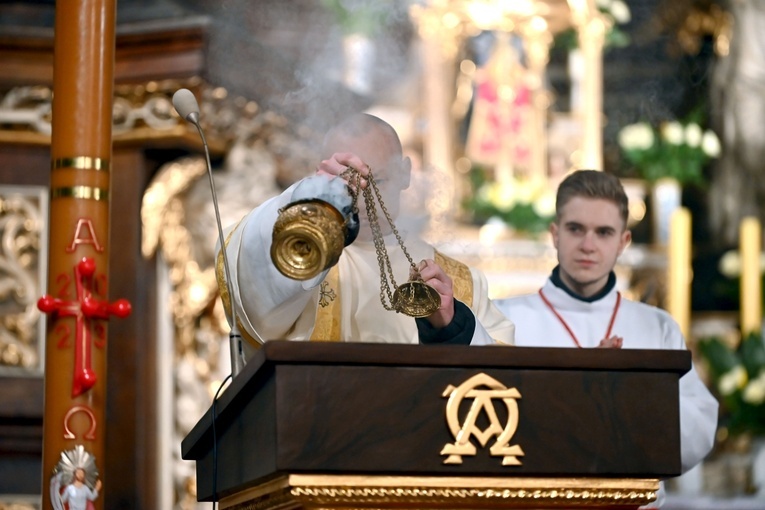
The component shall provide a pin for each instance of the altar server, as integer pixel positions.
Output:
(579, 305)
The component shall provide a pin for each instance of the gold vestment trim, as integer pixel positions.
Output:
(81, 163)
(327, 325)
(462, 279)
(220, 276)
(81, 192)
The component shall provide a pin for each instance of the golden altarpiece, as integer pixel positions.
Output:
(162, 219)
(527, 141)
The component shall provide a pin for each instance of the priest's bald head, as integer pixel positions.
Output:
(369, 140)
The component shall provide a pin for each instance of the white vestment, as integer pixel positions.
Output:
(276, 307)
(641, 326)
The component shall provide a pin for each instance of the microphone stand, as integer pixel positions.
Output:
(235, 338)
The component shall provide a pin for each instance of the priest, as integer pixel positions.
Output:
(347, 302)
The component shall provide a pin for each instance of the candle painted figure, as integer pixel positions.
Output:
(580, 305)
(78, 494)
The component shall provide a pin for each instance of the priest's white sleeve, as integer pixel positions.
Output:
(266, 301)
(482, 337)
(492, 327)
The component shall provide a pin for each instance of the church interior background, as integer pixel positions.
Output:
(494, 101)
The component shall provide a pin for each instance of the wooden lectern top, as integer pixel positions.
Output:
(412, 410)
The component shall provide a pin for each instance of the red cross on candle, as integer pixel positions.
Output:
(84, 310)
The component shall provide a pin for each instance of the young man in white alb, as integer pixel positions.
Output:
(579, 306)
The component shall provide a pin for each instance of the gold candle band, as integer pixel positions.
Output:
(81, 192)
(81, 163)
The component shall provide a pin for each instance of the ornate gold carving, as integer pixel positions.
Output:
(308, 238)
(328, 491)
(27, 109)
(416, 299)
(144, 111)
(20, 503)
(23, 213)
(449, 22)
(482, 401)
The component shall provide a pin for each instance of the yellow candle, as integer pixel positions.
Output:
(750, 244)
(679, 269)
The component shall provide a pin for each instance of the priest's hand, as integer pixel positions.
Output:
(432, 274)
(615, 342)
(339, 162)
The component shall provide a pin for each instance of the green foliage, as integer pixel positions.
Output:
(524, 206)
(569, 39)
(673, 149)
(738, 379)
(366, 17)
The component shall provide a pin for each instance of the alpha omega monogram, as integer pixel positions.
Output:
(483, 390)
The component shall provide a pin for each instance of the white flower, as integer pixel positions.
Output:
(710, 144)
(544, 206)
(693, 135)
(754, 393)
(730, 264)
(732, 380)
(620, 12)
(502, 196)
(636, 136)
(672, 132)
(527, 190)
(484, 193)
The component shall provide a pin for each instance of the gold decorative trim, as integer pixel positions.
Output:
(81, 163)
(308, 238)
(340, 491)
(220, 277)
(483, 400)
(23, 222)
(81, 192)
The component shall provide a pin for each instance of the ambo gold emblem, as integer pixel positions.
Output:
(483, 390)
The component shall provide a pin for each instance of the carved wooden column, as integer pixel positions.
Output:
(76, 302)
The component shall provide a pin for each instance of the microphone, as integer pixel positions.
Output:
(187, 107)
